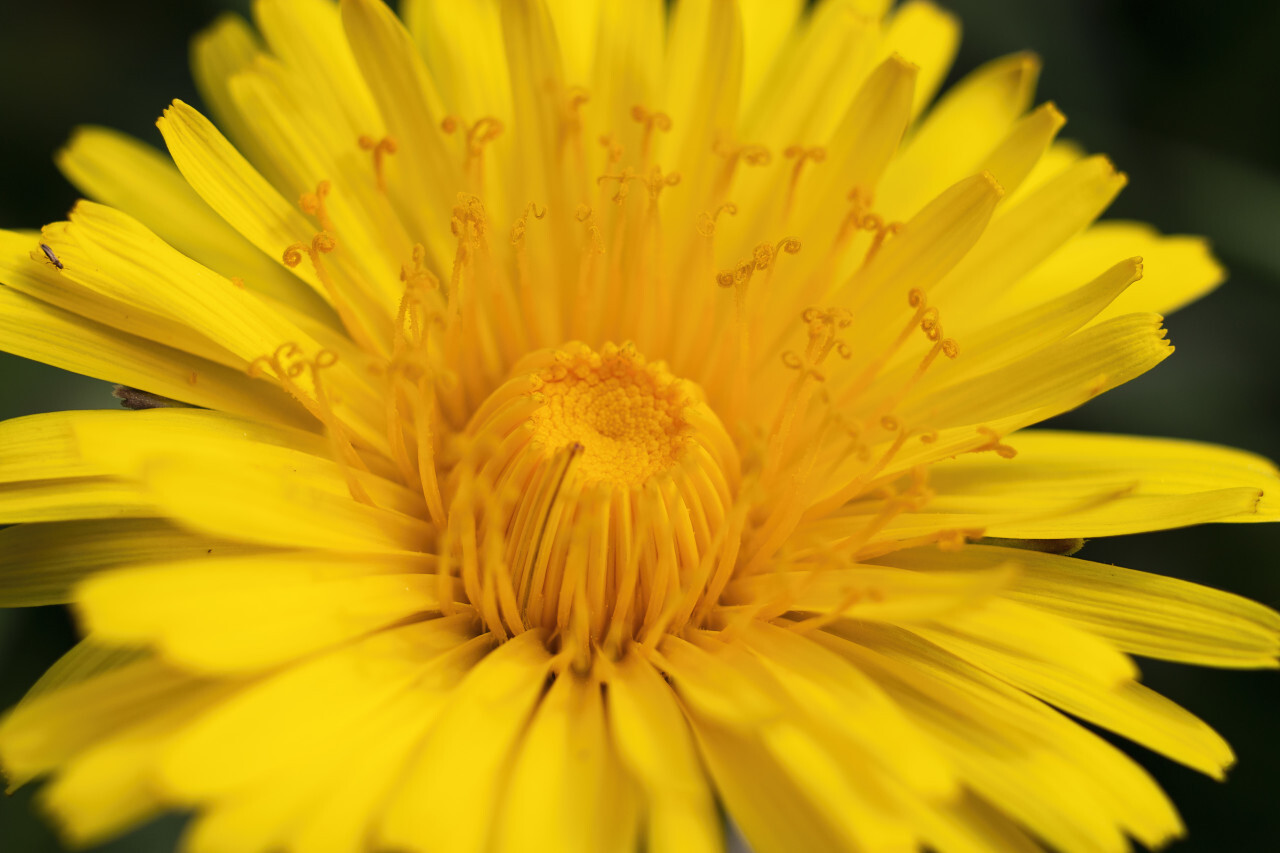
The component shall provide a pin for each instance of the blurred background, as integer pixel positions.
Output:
(1182, 96)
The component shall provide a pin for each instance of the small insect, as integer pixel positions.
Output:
(53, 259)
(135, 398)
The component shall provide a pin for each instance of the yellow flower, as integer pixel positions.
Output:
(596, 417)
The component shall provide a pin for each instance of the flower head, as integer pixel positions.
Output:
(561, 421)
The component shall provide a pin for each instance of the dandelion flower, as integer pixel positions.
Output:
(555, 425)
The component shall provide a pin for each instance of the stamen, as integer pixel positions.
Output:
(656, 181)
(313, 204)
(917, 300)
(751, 154)
(650, 121)
(814, 154)
(476, 136)
(613, 149)
(469, 224)
(993, 443)
(288, 365)
(624, 180)
(822, 327)
(322, 244)
(380, 148)
(707, 221)
(587, 217)
(860, 218)
(518, 229)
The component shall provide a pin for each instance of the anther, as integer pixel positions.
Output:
(993, 443)
(416, 273)
(313, 204)
(656, 181)
(613, 149)
(483, 131)
(380, 148)
(650, 121)
(751, 154)
(321, 244)
(882, 233)
(707, 221)
(587, 217)
(521, 224)
(624, 184)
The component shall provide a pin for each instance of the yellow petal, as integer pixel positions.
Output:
(654, 742)
(536, 89)
(76, 293)
(109, 788)
(860, 722)
(788, 759)
(114, 255)
(927, 36)
(292, 131)
(966, 124)
(866, 592)
(270, 504)
(1024, 235)
(282, 717)
(459, 770)
(86, 659)
(1037, 327)
(135, 178)
(81, 497)
(1179, 269)
(344, 815)
(766, 26)
(1050, 381)
(228, 46)
(1032, 638)
(37, 331)
(423, 176)
(231, 186)
(1145, 614)
(125, 443)
(1015, 157)
(564, 785)
(628, 69)
(774, 814)
(40, 563)
(577, 25)
(1062, 782)
(308, 36)
(805, 96)
(701, 93)
(1157, 483)
(461, 44)
(916, 258)
(249, 613)
(713, 687)
(53, 727)
(860, 150)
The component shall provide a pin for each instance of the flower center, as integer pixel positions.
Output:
(594, 502)
(627, 416)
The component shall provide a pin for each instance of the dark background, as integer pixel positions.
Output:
(1183, 96)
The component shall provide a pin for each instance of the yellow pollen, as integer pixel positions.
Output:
(628, 416)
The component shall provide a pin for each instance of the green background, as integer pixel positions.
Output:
(1182, 95)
